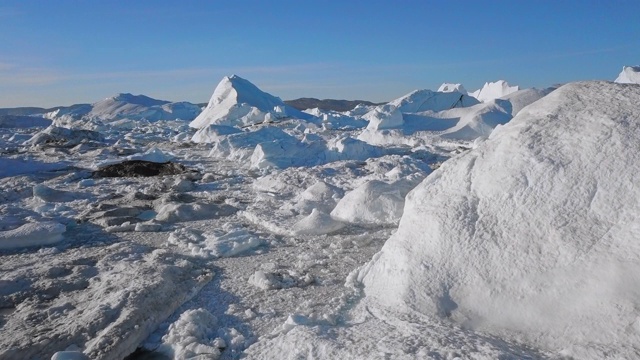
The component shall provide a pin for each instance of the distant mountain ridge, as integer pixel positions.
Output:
(327, 104)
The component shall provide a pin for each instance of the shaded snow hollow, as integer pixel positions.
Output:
(534, 233)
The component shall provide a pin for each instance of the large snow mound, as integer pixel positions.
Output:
(126, 106)
(238, 102)
(534, 233)
(629, 75)
(494, 90)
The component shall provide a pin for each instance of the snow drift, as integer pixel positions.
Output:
(535, 232)
(629, 75)
(237, 102)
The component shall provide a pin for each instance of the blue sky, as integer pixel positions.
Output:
(63, 52)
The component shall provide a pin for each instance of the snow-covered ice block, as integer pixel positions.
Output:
(530, 232)
(32, 234)
(629, 75)
(374, 203)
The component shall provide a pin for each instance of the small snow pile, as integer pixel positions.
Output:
(447, 87)
(629, 75)
(534, 232)
(494, 90)
(317, 223)
(175, 212)
(32, 234)
(193, 336)
(320, 195)
(375, 202)
(237, 102)
(279, 280)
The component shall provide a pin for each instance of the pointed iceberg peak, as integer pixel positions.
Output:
(238, 102)
(494, 90)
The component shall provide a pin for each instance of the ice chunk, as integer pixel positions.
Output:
(32, 234)
(530, 233)
(192, 336)
(629, 75)
(374, 203)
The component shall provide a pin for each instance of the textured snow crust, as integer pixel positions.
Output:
(534, 232)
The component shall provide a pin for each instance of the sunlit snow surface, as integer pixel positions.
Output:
(270, 244)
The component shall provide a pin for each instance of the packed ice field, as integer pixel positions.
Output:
(497, 224)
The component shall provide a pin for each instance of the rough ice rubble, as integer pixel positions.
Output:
(629, 75)
(194, 335)
(226, 242)
(237, 102)
(533, 232)
(104, 301)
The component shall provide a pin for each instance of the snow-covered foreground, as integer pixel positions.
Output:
(265, 232)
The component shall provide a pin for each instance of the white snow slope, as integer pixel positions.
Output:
(534, 234)
(237, 102)
(629, 75)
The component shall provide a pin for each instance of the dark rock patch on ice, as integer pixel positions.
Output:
(140, 168)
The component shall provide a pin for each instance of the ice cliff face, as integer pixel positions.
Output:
(534, 232)
(629, 75)
(237, 102)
